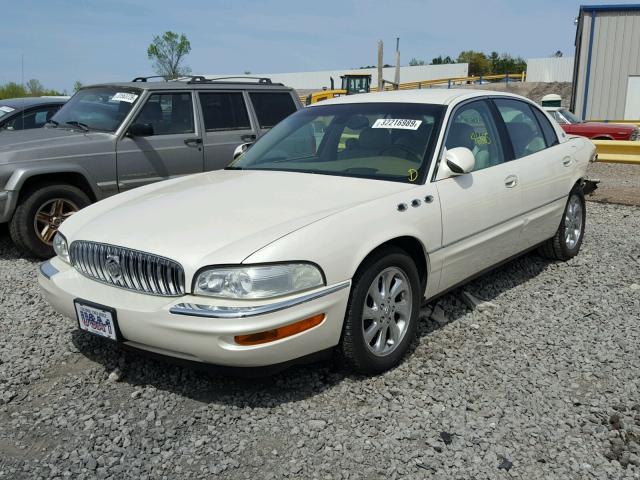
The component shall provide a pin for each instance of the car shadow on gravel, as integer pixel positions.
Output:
(264, 388)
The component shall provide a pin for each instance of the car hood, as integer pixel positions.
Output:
(45, 143)
(220, 217)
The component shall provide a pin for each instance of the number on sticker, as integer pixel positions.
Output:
(401, 123)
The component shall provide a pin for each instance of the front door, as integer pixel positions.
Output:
(226, 125)
(481, 210)
(173, 148)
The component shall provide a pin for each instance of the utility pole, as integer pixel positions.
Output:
(396, 79)
(380, 63)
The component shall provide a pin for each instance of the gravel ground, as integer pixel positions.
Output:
(541, 381)
(619, 183)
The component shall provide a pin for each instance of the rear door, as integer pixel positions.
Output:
(544, 166)
(174, 148)
(481, 210)
(271, 107)
(227, 124)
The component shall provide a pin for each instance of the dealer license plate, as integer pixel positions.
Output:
(97, 319)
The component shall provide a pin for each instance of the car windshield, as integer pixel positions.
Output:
(5, 110)
(97, 108)
(570, 116)
(382, 141)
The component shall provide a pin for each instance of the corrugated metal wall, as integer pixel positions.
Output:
(615, 54)
(317, 80)
(550, 69)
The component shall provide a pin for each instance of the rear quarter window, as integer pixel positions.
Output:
(272, 107)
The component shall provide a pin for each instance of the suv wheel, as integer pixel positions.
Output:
(40, 212)
(382, 313)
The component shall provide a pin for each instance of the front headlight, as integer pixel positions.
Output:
(258, 281)
(60, 247)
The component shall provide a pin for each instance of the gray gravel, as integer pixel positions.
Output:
(538, 380)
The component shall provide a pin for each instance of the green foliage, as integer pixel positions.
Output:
(414, 62)
(167, 53)
(33, 88)
(478, 62)
(77, 85)
(442, 61)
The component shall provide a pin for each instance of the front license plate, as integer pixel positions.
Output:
(97, 319)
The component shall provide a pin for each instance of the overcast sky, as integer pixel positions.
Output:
(106, 40)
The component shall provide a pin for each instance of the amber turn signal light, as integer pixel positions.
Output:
(280, 332)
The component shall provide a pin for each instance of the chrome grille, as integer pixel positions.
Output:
(126, 268)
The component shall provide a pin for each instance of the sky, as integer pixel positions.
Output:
(61, 41)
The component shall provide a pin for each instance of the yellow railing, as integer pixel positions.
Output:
(618, 151)
(450, 82)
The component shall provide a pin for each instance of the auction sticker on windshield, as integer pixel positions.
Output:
(402, 123)
(124, 97)
(96, 319)
(6, 109)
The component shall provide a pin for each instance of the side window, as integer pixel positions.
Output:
(168, 113)
(524, 130)
(548, 131)
(224, 111)
(473, 127)
(272, 107)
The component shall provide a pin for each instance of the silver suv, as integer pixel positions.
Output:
(114, 137)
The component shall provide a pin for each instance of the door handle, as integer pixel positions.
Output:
(566, 161)
(511, 181)
(192, 141)
(248, 138)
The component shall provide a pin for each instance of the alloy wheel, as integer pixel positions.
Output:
(50, 216)
(573, 222)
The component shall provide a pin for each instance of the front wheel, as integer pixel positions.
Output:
(40, 212)
(382, 313)
(566, 243)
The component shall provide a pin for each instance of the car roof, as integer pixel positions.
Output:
(438, 96)
(25, 102)
(179, 85)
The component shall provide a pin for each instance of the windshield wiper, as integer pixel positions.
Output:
(82, 126)
(52, 122)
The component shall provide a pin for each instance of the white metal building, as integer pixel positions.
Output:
(606, 75)
(551, 69)
(317, 80)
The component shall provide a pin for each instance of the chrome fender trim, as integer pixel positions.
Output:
(214, 311)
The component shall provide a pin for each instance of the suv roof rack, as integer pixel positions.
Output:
(194, 79)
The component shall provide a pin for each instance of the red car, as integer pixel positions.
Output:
(594, 130)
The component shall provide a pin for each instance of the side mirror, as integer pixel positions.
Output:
(460, 160)
(240, 149)
(140, 130)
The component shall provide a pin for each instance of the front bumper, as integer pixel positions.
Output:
(8, 199)
(203, 329)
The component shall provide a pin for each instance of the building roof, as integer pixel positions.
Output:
(610, 8)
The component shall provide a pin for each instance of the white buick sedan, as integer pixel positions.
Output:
(328, 233)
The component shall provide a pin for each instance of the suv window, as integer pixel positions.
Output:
(35, 118)
(524, 130)
(547, 130)
(224, 111)
(168, 113)
(272, 107)
(473, 127)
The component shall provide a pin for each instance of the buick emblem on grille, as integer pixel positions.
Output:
(112, 264)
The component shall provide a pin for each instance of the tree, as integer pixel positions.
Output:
(77, 85)
(167, 53)
(414, 62)
(12, 90)
(558, 54)
(478, 62)
(34, 87)
(441, 61)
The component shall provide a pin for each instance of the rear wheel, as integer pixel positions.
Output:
(382, 313)
(40, 213)
(566, 243)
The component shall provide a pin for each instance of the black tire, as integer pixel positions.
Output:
(556, 248)
(21, 227)
(353, 348)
